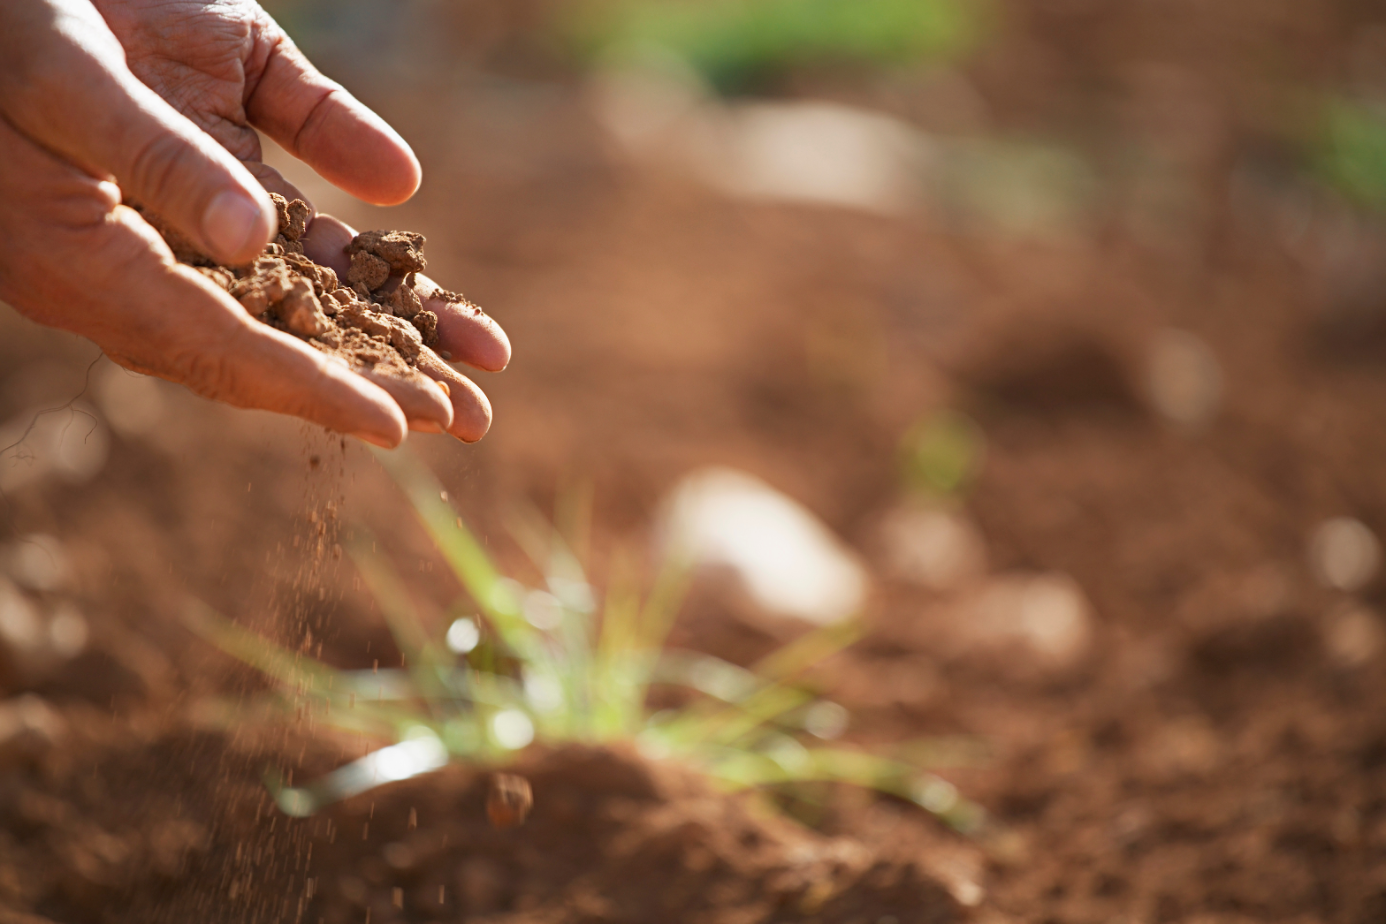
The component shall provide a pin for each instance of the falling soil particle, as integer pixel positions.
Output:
(509, 800)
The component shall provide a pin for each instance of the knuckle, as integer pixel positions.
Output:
(157, 165)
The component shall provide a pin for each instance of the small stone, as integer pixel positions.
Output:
(509, 800)
(1344, 554)
(937, 549)
(1185, 379)
(1046, 617)
(1354, 636)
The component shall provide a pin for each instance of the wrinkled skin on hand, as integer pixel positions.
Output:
(157, 102)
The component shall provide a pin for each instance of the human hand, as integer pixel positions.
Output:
(172, 128)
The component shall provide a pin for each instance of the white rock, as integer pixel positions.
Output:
(937, 549)
(786, 560)
(1185, 379)
(67, 631)
(1354, 636)
(808, 152)
(1046, 615)
(29, 715)
(21, 627)
(39, 562)
(1344, 553)
(830, 154)
(646, 107)
(818, 153)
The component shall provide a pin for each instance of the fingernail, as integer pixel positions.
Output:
(444, 386)
(229, 221)
(375, 440)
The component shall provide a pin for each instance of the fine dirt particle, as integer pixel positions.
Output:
(375, 321)
(508, 801)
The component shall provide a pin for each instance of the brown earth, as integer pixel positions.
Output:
(374, 320)
(1217, 751)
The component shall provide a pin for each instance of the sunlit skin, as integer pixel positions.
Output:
(156, 102)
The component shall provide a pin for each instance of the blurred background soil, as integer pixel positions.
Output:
(1132, 251)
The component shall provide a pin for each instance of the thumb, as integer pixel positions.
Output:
(67, 87)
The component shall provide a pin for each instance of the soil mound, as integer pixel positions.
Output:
(612, 837)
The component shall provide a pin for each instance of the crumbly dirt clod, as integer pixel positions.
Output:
(508, 801)
(375, 319)
(401, 250)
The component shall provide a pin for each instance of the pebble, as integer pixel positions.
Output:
(1344, 554)
(785, 559)
(1045, 615)
(937, 549)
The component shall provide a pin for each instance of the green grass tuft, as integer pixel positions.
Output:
(1352, 157)
(555, 664)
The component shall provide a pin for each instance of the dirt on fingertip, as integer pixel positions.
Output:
(374, 320)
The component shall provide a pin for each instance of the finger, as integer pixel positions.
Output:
(424, 404)
(77, 260)
(325, 242)
(247, 364)
(66, 86)
(470, 407)
(178, 325)
(273, 181)
(319, 122)
(466, 332)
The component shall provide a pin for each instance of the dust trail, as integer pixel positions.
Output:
(270, 878)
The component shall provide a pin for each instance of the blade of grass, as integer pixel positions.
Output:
(572, 518)
(666, 597)
(747, 769)
(807, 650)
(618, 661)
(713, 721)
(272, 660)
(425, 661)
(466, 557)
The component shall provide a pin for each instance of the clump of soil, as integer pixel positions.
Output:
(509, 801)
(374, 319)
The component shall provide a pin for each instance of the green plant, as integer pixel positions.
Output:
(734, 43)
(941, 454)
(551, 665)
(1352, 154)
